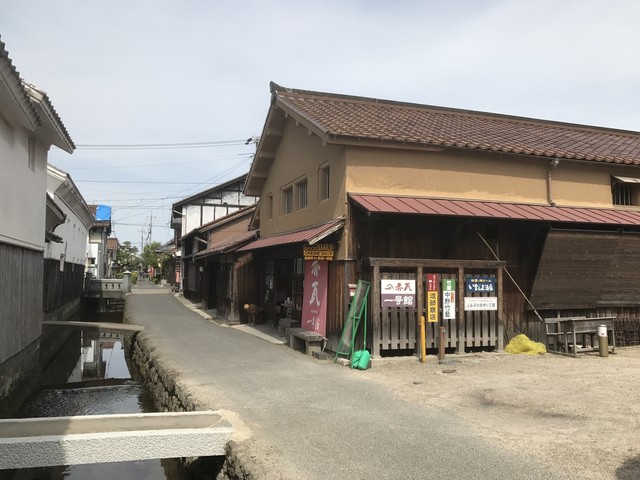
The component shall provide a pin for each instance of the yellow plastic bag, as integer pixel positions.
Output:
(522, 344)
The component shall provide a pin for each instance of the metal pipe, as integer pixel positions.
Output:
(603, 341)
(552, 166)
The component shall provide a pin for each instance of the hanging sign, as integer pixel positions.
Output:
(448, 299)
(433, 284)
(318, 252)
(398, 293)
(314, 306)
(480, 284)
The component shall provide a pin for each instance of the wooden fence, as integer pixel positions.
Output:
(395, 329)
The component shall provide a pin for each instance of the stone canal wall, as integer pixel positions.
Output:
(169, 396)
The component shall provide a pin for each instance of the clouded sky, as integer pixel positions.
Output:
(171, 72)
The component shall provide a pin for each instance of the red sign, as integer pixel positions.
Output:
(314, 304)
(433, 282)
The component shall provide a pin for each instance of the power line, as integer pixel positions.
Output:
(130, 181)
(161, 146)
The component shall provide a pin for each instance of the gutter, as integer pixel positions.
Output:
(552, 166)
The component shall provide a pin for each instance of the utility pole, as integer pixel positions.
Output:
(149, 238)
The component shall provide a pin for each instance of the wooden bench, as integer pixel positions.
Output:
(305, 341)
(569, 329)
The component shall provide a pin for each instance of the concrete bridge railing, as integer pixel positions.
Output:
(108, 287)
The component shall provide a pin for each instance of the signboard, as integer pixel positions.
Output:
(398, 293)
(474, 304)
(314, 303)
(433, 285)
(318, 252)
(480, 284)
(448, 299)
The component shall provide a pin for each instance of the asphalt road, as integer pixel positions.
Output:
(311, 419)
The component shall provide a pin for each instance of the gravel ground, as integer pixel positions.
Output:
(580, 415)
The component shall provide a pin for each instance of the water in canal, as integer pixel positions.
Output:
(87, 374)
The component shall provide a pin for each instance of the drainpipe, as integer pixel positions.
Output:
(552, 166)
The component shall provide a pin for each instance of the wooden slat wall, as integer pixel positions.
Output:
(588, 270)
(20, 299)
(63, 287)
(246, 281)
(337, 301)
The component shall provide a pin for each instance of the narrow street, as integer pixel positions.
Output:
(299, 412)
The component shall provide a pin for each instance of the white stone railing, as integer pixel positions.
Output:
(108, 287)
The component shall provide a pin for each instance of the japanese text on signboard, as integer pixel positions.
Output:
(480, 284)
(314, 307)
(398, 293)
(448, 299)
(433, 285)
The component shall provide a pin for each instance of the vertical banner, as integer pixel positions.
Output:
(314, 304)
(433, 285)
(448, 299)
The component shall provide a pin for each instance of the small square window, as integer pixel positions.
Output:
(625, 191)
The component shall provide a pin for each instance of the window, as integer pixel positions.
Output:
(301, 190)
(287, 200)
(269, 206)
(323, 187)
(625, 190)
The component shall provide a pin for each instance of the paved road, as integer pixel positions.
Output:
(315, 420)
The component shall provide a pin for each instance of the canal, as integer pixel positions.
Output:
(89, 373)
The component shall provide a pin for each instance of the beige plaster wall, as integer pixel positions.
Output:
(470, 175)
(301, 155)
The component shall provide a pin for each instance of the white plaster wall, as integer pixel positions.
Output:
(74, 234)
(22, 189)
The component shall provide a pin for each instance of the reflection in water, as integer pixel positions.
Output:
(86, 373)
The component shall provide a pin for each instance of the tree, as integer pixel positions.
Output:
(127, 257)
(152, 258)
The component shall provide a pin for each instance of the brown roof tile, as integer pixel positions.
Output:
(341, 117)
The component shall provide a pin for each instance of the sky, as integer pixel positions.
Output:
(159, 74)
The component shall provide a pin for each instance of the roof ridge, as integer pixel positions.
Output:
(458, 112)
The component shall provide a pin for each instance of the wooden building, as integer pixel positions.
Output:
(191, 213)
(214, 280)
(543, 215)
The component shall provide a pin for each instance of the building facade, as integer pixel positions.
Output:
(29, 125)
(420, 196)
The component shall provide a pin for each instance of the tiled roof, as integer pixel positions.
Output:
(308, 235)
(341, 118)
(494, 210)
(227, 245)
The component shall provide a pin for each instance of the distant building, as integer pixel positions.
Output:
(66, 245)
(191, 213)
(97, 255)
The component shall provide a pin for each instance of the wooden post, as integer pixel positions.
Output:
(460, 316)
(375, 312)
(441, 342)
(420, 301)
(500, 333)
(423, 340)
